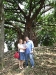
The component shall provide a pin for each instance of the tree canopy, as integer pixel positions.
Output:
(24, 16)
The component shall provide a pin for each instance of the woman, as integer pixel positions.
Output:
(21, 49)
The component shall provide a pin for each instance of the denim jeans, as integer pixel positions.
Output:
(29, 56)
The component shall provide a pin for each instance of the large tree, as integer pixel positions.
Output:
(26, 16)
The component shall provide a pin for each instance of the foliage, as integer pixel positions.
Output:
(10, 37)
(46, 30)
(24, 13)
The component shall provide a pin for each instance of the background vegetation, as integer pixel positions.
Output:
(35, 18)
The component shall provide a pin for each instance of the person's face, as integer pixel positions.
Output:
(24, 42)
(26, 38)
(21, 41)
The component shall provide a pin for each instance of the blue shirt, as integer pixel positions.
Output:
(30, 46)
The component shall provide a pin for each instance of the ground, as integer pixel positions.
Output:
(45, 63)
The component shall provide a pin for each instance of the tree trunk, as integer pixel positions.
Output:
(1, 32)
(30, 32)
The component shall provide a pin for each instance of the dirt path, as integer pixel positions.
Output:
(45, 63)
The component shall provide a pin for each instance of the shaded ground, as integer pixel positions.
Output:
(45, 63)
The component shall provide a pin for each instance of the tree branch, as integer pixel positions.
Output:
(15, 20)
(10, 1)
(10, 9)
(35, 5)
(14, 26)
(20, 21)
(46, 10)
(37, 10)
(10, 23)
(8, 27)
(20, 9)
(30, 7)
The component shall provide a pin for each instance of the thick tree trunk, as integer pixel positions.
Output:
(30, 33)
(29, 30)
(1, 32)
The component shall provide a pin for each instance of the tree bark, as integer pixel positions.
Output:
(29, 29)
(1, 32)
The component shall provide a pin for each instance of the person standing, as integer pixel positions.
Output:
(21, 50)
(29, 51)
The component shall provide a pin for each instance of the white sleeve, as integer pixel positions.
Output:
(32, 44)
(18, 46)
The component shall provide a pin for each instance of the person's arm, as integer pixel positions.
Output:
(24, 47)
(19, 47)
(32, 45)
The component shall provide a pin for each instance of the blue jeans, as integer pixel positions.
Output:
(29, 56)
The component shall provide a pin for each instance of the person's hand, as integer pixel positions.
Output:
(24, 48)
(32, 51)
